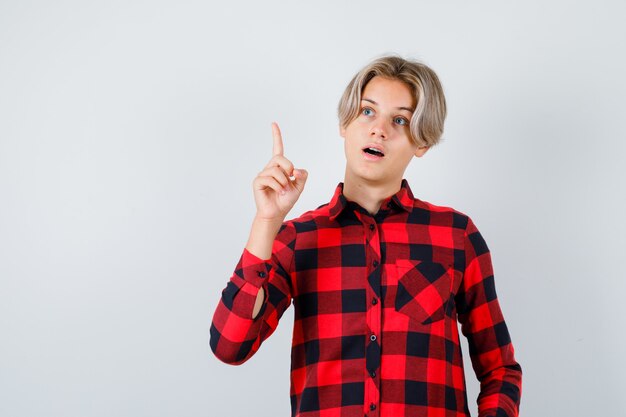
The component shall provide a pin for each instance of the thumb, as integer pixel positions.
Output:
(301, 176)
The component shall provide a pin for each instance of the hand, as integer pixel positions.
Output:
(275, 193)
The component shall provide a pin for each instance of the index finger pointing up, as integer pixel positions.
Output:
(278, 140)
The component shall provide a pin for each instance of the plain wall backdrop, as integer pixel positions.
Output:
(131, 131)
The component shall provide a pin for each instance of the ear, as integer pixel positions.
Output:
(419, 152)
(342, 132)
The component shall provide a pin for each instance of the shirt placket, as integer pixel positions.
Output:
(374, 311)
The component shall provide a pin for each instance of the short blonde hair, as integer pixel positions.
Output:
(427, 122)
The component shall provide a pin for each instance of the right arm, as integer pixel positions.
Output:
(245, 317)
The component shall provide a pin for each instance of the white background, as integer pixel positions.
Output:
(130, 133)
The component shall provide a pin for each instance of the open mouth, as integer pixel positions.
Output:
(374, 151)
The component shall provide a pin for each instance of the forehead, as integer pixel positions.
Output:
(389, 92)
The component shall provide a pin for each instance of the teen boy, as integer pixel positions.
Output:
(377, 276)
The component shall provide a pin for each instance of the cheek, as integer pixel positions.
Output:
(347, 147)
(404, 156)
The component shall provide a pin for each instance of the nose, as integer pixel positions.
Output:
(379, 129)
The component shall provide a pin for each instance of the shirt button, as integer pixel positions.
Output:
(373, 338)
(374, 301)
(373, 374)
(262, 274)
(375, 263)
(372, 406)
(372, 227)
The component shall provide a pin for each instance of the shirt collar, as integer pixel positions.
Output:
(403, 199)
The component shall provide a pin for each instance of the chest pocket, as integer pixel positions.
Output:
(424, 289)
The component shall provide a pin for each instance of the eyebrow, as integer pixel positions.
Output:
(399, 108)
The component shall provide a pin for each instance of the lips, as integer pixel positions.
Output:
(374, 149)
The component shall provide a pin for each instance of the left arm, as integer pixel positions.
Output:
(482, 323)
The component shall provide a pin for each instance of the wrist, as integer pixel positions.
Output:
(275, 222)
(262, 235)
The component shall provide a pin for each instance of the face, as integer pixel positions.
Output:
(383, 122)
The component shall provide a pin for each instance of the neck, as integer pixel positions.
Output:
(369, 195)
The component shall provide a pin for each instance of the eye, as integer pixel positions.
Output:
(366, 111)
(401, 121)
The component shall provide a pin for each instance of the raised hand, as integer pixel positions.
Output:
(275, 193)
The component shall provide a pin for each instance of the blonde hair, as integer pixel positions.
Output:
(426, 124)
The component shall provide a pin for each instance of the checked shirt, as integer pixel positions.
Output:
(376, 302)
